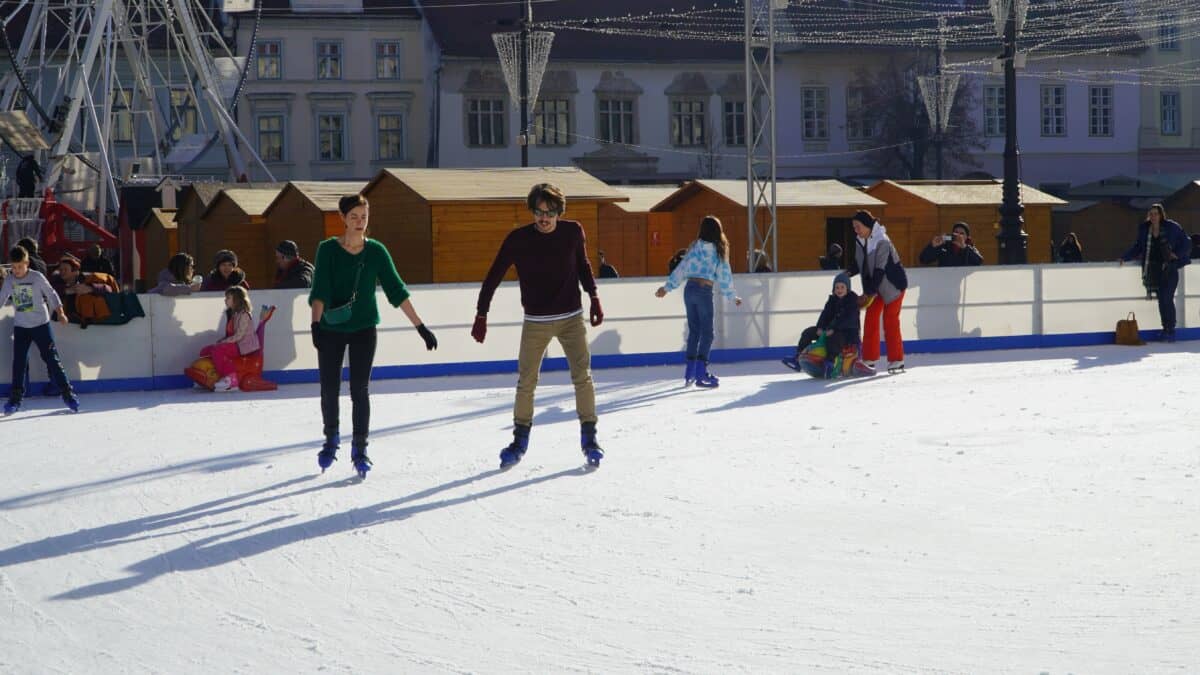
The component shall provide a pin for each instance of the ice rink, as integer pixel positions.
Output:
(1021, 511)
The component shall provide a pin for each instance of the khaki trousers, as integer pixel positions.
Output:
(535, 338)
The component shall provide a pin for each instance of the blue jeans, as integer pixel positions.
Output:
(1167, 283)
(44, 339)
(698, 301)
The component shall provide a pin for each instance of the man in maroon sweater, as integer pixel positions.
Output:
(552, 263)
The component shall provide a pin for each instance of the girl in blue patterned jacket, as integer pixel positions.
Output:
(705, 264)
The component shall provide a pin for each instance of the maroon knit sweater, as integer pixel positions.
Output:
(550, 268)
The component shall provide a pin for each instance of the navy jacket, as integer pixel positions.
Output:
(947, 255)
(841, 315)
(1177, 239)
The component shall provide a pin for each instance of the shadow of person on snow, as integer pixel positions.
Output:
(778, 391)
(227, 547)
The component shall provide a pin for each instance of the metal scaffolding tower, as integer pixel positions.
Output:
(761, 150)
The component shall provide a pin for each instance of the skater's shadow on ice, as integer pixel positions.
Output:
(243, 543)
(140, 529)
(779, 391)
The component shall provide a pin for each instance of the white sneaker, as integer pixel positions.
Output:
(224, 384)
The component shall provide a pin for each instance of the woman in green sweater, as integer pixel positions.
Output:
(344, 315)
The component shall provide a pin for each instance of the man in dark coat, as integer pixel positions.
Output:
(833, 261)
(607, 271)
(28, 174)
(957, 251)
(35, 258)
(95, 261)
(292, 271)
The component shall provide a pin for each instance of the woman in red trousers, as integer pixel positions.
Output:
(884, 282)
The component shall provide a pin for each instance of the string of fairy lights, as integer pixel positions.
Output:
(1054, 30)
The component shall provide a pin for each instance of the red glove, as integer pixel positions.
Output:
(479, 330)
(597, 314)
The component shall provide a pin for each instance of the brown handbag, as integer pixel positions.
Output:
(1127, 331)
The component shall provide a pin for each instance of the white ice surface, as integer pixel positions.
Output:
(1026, 512)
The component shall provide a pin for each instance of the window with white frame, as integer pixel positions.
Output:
(387, 60)
(122, 131)
(552, 121)
(270, 138)
(616, 120)
(1168, 33)
(1169, 113)
(1054, 110)
(860, 123)
(993, 110)
(329, 60)
(735, 122)
(389, 135)
(183, 110)
(485, 122)
(1100, 111)
(331, 137)
(688, 122)
(269, 60)
(815, 102)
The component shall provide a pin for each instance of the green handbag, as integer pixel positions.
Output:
(341, 314)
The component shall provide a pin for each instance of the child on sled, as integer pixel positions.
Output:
(839, 326)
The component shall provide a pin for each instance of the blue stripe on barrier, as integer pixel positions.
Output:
(936, 346)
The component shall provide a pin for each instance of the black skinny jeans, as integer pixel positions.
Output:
(329, 361)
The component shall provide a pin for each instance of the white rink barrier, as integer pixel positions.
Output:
(955, 309)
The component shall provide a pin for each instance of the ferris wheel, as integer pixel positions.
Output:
(103, 90)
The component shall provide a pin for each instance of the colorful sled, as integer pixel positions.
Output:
(847, 364)
(249, 366)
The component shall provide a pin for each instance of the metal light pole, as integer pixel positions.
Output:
(523, 139)
(940, 136)
(1012, 238)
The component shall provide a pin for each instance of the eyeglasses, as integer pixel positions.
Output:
(546, 214)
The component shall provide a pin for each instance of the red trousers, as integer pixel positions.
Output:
(890, 312)
(224, 357)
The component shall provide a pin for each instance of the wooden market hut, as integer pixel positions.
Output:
(234, 220)
(635, 239)
(193, 201)
(162, 241)
(810, 215)
(307, 212)
(1105, 227)
(919, 209)
(1183, 206)
(445, 225)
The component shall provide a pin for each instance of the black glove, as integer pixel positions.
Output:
(316, 334)
(428, 336)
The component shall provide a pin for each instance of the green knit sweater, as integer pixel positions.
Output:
(333, 282)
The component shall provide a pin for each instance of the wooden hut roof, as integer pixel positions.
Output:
(252, 202)
(162, 217)
(499, 185)
(1075, 206)
(969, 192)
(323, 194)
(643, 198)
(796, 193)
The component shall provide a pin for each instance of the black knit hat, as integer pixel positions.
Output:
(288, 249)
(225, 256)
(965, 228)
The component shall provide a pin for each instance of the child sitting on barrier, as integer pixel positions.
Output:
(838, 323)
(240, 338)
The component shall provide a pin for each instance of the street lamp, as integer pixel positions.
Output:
(1012, 238)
